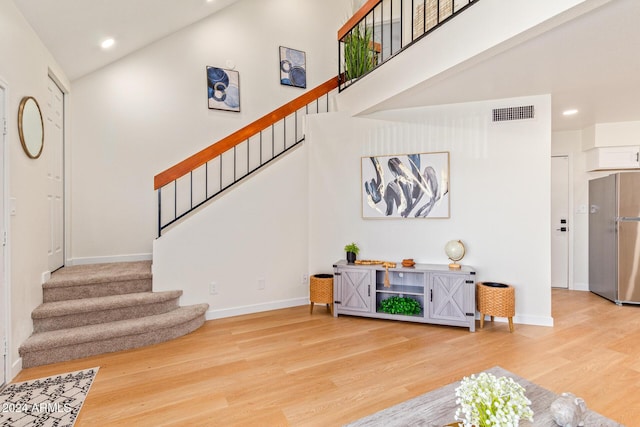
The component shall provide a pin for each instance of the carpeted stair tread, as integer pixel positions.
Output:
(99, 273)
(105, 331)
(111, 302)
(98, 280)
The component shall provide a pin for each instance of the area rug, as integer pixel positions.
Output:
(46, 402)
(437, 408)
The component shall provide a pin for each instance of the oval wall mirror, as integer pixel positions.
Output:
(31, 127)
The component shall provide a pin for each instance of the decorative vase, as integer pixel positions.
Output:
(351, 257)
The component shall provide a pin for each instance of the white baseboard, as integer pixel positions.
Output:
(16, 367)
(580, 286)
(256, 308)
(523, 320)
(533, 320)
(107, 259)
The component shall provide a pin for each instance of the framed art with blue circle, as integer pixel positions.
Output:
(223, 89)
(293, 67)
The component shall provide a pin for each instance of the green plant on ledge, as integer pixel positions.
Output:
(400, 305)
(359, 58)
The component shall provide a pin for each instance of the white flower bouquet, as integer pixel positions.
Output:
(484, 400)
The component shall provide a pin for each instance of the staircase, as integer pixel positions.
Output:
(101, 308)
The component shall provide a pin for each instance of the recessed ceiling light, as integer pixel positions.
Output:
(107, 43)
(570, 112)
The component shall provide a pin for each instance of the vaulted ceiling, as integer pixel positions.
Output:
(591, 63)
(72, 30)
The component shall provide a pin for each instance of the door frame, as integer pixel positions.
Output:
(62, 223)
(5, 285)
(66, 158)
(571, 217)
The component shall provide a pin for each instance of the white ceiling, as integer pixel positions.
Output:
(72, 30)
(591, 63)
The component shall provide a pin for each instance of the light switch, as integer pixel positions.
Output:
(12, 206)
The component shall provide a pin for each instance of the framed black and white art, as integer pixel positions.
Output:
(406, 186)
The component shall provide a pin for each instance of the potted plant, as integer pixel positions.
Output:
(352, 250)
(485, 400)
(359, 58)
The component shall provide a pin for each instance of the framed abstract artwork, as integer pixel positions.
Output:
(293, 67)
(223, 89)
(406, 186)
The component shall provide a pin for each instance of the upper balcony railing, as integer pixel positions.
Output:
(381, 29)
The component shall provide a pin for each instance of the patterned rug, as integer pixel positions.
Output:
(46, 402)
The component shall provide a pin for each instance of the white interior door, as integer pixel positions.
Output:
(54, 145)
(560, 221)
(4, 303)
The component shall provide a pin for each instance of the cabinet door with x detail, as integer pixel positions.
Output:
(452, 298)
(353, 290)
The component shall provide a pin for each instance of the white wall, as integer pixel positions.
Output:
(148, 111)
(25, 66)
(257, 231)
(500, 194)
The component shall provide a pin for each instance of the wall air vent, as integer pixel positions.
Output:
(513, 113)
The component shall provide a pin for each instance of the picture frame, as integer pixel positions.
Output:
(293, 67)
(405, 186)
(223, 89)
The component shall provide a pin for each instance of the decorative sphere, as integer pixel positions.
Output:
(454, 250)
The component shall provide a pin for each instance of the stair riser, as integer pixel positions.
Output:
(60, 354)
(103, 316)
(96, 290)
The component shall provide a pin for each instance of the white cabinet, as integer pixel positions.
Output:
(604, 158)
(445, 297)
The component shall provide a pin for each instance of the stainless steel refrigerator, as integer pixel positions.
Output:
(614, 237)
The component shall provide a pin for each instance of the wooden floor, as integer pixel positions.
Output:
(287, 367)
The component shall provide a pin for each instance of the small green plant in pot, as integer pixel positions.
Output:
(400, 305)
(352, 251)
(359, 58)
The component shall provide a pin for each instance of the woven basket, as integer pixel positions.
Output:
(321, 288)
(496, 301)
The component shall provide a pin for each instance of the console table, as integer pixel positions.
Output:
(447, 297)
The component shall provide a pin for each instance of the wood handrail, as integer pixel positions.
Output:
(214, 150)
(357, 17)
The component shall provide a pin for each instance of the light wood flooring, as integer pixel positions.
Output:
(290, 368)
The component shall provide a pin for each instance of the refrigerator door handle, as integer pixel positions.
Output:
(627, 218)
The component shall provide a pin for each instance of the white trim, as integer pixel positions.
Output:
(255, 308)
(581, 287)
(572, 217)
(4, 227)
(16, 367)
(113, 258)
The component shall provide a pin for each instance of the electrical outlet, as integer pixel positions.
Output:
(304, 279)
(213, 288)
(261, 284)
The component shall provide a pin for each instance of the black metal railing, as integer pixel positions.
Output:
(200, 183)
(381, 29)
